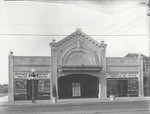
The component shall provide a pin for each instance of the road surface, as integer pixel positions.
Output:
(116, 107)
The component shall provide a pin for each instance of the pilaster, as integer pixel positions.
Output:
(102, 78)
(11, 78)
(53, 68)
(140, 78)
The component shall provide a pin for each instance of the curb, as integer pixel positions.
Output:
(70, 101)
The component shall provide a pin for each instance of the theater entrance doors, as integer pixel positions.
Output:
(122, 88)
(78, 86)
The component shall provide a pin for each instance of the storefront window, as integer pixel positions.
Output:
(44, 86)
(20, 90)
(133, 87)
(112, 85)
(44, 89)
(146, 86)
(124, 87)
(41, 85)
(20, 86)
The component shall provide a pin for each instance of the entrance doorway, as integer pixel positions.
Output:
(29, 89)
(122, 88)
(76, 90)
(78, 86)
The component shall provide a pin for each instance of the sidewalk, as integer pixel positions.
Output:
(4, 101)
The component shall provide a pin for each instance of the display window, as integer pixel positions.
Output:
(20, 86)
(122, 87)
(44, 89)
(20, 90)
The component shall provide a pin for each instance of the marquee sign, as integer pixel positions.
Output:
(123, 75)
(81, 68)
(25, 75)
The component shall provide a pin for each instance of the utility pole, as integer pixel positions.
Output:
(148, 14)
(77, 15)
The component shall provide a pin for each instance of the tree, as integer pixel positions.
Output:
(3, 88)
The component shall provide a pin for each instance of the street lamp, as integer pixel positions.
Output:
(33, 76)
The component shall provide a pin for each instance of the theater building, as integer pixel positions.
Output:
(79, 68)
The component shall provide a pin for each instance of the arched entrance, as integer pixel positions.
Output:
(78, 86)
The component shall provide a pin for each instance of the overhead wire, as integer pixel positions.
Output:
(103, 35)
(67, 34)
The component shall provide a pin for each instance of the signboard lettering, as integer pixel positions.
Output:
(25, 75)
(122, 75)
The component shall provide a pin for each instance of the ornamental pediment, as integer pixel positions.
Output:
(77, 35)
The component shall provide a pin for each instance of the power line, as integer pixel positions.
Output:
(68, 25)
(67, 35)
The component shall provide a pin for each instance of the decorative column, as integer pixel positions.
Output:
(102, 77)
(140, 78)
(53, 67)
(11, 77)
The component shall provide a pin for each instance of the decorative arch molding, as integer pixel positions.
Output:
(83, 56)
(81, 73)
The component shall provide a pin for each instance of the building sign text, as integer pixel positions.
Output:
(25, 75)
(122, 75)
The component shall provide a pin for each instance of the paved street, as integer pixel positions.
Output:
(82, 106)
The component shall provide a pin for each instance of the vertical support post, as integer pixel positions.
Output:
(140, 78)
(52, 74)
(103, 86)
(33, 99)
(77, 14)
(99, 94)
(148, 81)
(148, 14)
(11, 77)
(149, 44)
(53, 68)
(103, 78)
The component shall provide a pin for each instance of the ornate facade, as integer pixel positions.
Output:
(78, 68)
